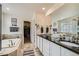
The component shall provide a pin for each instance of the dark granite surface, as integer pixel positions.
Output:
(73, 49)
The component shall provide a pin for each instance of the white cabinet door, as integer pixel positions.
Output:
(38, 41)
(66, 52)
(54, 49)
(41, 44)
(45, 47)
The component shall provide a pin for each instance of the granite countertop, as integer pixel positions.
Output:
(48, 37)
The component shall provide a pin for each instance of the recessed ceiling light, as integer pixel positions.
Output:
(8, 8)
(43, 8)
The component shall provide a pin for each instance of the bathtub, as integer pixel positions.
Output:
(9, 45)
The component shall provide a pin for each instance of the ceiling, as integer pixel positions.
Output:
(25, 9)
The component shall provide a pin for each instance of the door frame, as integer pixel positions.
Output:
(23, 28)
(30, 28)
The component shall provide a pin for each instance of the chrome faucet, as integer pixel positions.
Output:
(75, 39)
(60, 39)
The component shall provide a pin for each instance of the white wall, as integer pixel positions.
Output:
(67, 10)
(6, 24)
(44, 21)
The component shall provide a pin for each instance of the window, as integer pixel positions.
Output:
(14, 21)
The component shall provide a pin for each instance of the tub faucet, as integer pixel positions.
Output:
(11, 42)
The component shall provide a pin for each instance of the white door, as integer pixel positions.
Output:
(45, 47)
(41, 44)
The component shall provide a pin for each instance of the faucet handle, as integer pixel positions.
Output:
(60, 38)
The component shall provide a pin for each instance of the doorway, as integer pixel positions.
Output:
(27, 25)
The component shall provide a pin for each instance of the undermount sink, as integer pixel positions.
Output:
(69, 44)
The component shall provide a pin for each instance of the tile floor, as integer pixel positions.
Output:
(30, 50)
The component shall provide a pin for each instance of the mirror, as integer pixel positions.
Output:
(47, 29)
(69, 25)
(42, 30)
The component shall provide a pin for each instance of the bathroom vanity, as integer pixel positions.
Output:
(50, 47)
